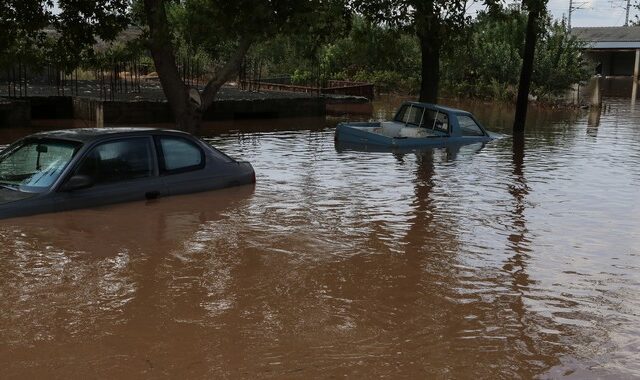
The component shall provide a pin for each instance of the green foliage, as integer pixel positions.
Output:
(493, 58)
(22, 24)
(211, 25)
(369, 52)
(486, 62)
(302, 77)
(387, 81)
(372, 47)
(443, 17)
(313, 41)
(33, 32)
(558, 62)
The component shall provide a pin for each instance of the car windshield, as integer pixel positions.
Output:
(410, 114)
(34, 165)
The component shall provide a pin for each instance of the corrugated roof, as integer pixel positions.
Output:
(608, 34)
(609, 37)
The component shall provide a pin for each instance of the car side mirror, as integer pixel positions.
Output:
(77, 182)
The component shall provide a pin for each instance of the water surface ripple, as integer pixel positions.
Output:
(505, 260)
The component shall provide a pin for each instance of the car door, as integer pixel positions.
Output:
(121, 170)
(185, 168)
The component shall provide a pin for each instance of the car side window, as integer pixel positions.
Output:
(469, 127)
(119, 160)
(436, 120)
(180, 154)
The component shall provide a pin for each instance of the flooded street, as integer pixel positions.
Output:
(502, 260)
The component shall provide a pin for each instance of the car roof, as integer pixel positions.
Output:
(87, 135)
(440, 108)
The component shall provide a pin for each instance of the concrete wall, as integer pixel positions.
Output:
(120, 112)
(146, 112)
(265, 108)
(15, 112)
(51, 107)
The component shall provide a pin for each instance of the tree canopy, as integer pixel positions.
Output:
(64, 30)
(411, 46)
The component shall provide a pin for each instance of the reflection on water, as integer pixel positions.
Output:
(514, 259)
(593, 122)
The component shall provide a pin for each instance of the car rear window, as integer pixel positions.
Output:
(180, 154)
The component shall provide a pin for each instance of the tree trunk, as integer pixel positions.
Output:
(430, 67)
(164, 60)
(535, 8)
(187, 109)
(427, 24)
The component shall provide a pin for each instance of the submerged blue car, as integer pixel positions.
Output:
(77, 168)
(416, 125)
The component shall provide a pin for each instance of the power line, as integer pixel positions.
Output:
(575, 6)
(626, 8)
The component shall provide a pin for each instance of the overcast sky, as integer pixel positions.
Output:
(594, 12)
(591, 12)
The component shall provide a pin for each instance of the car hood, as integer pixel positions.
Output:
(8, 195)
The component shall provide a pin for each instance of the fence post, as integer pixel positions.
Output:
(99, 114)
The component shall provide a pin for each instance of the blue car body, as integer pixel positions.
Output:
(416, 125)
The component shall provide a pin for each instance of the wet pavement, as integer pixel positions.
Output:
(505, 260)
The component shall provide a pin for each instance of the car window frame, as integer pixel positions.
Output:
(461, 129)
(162, 169)
(88, 149)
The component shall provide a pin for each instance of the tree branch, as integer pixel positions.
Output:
(163, 57)
(229, 70)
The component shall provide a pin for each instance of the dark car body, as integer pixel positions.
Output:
(113, 165)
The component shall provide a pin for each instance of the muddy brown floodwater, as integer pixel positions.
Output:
(497, 261)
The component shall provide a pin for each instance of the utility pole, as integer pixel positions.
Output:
(616, 4)
(570, 10)
(575, 6)
(626, 19)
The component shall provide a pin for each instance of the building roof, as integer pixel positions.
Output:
(609, 37)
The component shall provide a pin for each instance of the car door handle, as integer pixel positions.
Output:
(152, 194)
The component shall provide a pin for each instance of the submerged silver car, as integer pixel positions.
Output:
(78, 168)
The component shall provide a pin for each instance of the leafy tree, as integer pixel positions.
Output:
(492, 50)
(485, 60)
(376, 53)
(79, 25)
(22, 24)
(303, 51)
(32, 29)
(225, 30)
(558, 62)
(433, 21)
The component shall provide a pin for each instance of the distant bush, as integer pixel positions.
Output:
(302, 77)
(482, 62)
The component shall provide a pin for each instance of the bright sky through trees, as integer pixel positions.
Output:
(592, 12)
